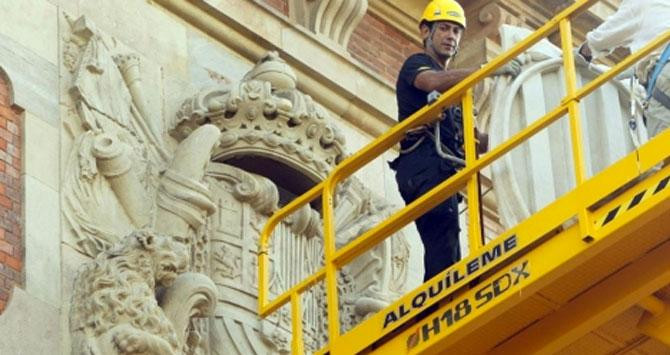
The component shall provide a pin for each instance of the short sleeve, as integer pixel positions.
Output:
(414, 65)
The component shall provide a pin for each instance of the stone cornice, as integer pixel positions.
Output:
(325, 71)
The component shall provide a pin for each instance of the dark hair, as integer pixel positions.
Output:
(429, 24)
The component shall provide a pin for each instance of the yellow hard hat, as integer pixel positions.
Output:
(444, 10)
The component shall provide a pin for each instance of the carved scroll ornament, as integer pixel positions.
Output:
(335, 19)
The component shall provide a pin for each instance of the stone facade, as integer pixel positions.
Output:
(145, 145)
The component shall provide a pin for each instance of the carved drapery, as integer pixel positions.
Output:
(334, 19)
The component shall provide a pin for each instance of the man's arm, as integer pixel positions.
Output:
(441, 81)
(431, 80)
(618, 30)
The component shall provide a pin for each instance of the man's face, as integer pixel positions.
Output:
(445, 39)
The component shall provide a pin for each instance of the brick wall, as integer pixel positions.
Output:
(11, 243)
(281, 5)
(380, 47)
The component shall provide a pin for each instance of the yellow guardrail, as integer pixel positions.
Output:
(468, 176)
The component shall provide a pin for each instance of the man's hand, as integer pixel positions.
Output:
(511, 68)
(582, 56)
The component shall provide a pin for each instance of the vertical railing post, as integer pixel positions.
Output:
(296, 328)
(573, 105)
(331, 268)
(475, 241)
(574, 115)
(262, 278)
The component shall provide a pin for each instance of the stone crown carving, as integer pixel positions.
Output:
(266, 115)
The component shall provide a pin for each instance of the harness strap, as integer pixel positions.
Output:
(657, 71)
(442, 150)
(661, 97)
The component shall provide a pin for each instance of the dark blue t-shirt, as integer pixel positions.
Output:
(410, 99)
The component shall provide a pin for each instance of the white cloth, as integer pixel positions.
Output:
(634, 24)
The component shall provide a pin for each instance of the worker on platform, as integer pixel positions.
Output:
(423, 164)
(634, 24)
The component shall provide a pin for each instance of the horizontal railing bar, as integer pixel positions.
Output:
(285, 297)
(432, 198)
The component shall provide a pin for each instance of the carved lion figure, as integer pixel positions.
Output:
(114, 306)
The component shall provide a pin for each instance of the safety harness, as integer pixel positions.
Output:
(652, 90)
(423, 132)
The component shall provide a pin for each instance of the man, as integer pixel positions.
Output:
(420, 166)
(634, 24)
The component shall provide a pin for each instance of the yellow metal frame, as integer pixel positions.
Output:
(556, 256)
(584, 195)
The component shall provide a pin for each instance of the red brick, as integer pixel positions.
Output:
(12, 128)
(13, 150)
(6, 111)
(11, 171)
(380, 47)
(11, 243)
(5, 202)
(6, 135)
(6, 248)
(280, 5)
(14, 263)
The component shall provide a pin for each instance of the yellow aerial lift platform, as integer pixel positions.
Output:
(540, 286)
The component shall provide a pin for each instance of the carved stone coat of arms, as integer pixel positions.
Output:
(175, 205)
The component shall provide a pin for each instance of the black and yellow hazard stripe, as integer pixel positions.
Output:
(636, 200)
